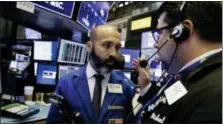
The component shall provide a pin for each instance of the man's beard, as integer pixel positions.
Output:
(102, 66)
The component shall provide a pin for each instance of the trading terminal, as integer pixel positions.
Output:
(43, 41)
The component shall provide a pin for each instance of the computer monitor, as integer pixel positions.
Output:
(72, 52)
(147, 40)
(128, 75)
(92, 14)
(64, 69)
(155, 70)
(141, 23)
(77, 36)
(32, 34)
(46, 50)
(130, 55)
(46, 74)
(147, 46)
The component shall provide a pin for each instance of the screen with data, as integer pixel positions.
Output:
(46, 74)
(130, 55)
(46, 50)
(92, 14)
(128, 75)
(147, 41)
(32, 34)
(65, 69)
(72, 52)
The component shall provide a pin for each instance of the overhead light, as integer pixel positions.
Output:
(120, 5)
(126, 3)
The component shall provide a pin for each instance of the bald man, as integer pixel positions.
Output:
(98, 93)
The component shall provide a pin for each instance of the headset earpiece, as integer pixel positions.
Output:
(180, 33)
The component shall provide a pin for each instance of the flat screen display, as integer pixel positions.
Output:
(32, 34)
(147, 40)
(64, 8)
(128, 75)
(92, 14)
(63, 70)
(130, 55)
(141, 23)
(46, 74)
(46, 50)
(72, 52)
(77, 36)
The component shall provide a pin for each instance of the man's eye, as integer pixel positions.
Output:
(106, 45)
(118, 47)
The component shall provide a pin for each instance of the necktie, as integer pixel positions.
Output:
(97, 94)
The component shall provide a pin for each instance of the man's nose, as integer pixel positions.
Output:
(113, 53)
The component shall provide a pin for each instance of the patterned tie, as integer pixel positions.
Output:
(97, 94)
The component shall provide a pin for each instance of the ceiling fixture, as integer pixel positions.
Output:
(120, 5)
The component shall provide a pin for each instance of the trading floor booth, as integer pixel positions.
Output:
(47, 41)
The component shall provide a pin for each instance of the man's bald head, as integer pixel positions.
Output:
(103, 31)
(104, 46)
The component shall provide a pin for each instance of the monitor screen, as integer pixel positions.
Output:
(72, 52)
(77, 36)
(130, 55)
(64, 8)
(46, 74)
(102, 8)
(147, 40)
(32, 34)
(141, 23)
(92, 14)
(128, 75)
(63, 70)
(155, 70)
(46, 50)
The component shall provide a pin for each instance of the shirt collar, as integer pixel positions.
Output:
(200, 57)
(90, 72)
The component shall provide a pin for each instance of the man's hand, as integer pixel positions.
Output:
(144, 74)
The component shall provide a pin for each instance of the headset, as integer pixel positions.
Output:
(180, 33)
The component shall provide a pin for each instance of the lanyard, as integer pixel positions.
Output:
(169, 83)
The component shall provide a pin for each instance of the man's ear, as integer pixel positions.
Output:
(89, 46)
(189, 24)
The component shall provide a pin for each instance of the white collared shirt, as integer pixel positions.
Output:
(200, 58)
(90, 72)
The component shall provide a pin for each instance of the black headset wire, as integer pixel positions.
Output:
(147, 60)
(173, 55)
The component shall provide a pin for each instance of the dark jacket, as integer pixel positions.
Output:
(201, 104)
(74, 88)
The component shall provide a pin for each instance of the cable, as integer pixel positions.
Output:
(132, 111)
(144, 63)
(175, 50)
(174, 53)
